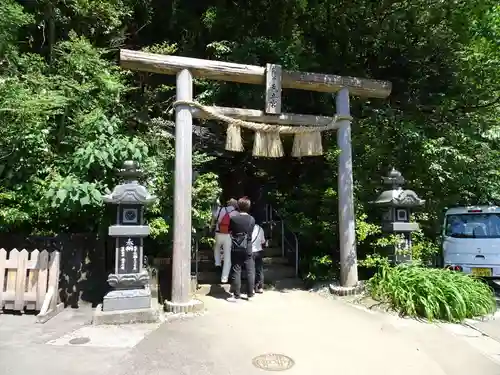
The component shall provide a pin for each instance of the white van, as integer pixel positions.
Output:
(471, 240)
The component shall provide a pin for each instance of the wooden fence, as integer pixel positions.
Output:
(30, 280)
(86, 261)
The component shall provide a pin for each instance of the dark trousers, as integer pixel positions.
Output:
(238, 260)
(259, 269)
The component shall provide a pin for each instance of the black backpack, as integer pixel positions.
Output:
(243, 241)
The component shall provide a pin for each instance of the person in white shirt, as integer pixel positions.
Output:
(258, 241)
(220, 220)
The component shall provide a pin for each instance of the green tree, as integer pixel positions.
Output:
(70, 115)
(66, 124)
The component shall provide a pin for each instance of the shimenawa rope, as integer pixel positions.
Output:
(267, 143)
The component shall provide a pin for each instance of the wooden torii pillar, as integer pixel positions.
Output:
(185, 68)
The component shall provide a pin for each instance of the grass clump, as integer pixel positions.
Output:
(434, 294)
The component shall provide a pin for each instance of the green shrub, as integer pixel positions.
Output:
(319, 268)
(435, 294)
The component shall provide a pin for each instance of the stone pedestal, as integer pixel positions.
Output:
(129, 299)
(125, 306)
(149, 315)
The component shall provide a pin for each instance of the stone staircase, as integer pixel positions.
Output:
(280, 257)
(276, 267)
(279, 270)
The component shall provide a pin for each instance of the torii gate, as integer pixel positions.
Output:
(274, 78)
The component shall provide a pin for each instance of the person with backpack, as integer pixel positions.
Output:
(241, 228)
(258, 241)
(221, 221)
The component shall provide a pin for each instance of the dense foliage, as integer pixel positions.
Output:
(70, 116)
(66, 126)
(434, 294)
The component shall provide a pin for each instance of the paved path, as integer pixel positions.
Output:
(23, 348)
(322, 336)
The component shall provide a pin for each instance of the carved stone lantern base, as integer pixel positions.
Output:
(129, 280)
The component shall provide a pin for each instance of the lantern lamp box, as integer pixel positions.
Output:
(130, 214)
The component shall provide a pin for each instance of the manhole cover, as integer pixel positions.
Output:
(79, 340)
(273, 362)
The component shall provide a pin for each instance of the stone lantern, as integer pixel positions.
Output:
(397, 205)
(130, 281)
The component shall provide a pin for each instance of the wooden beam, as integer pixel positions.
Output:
(256, 115)
(251, 74)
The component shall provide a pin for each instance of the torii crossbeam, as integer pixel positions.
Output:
(185, 68)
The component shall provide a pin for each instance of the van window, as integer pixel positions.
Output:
(473, 226)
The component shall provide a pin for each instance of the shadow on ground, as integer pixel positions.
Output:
(222, 291)
(218, 291)
(286, 285)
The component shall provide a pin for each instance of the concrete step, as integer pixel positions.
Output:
(272, 273)
(268, 252)
(276, 260)
(209, 265)
(267, 260)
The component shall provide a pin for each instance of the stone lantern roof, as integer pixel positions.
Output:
(129, 192)
(397, 196)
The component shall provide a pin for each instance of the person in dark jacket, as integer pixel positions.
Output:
(241, 228)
